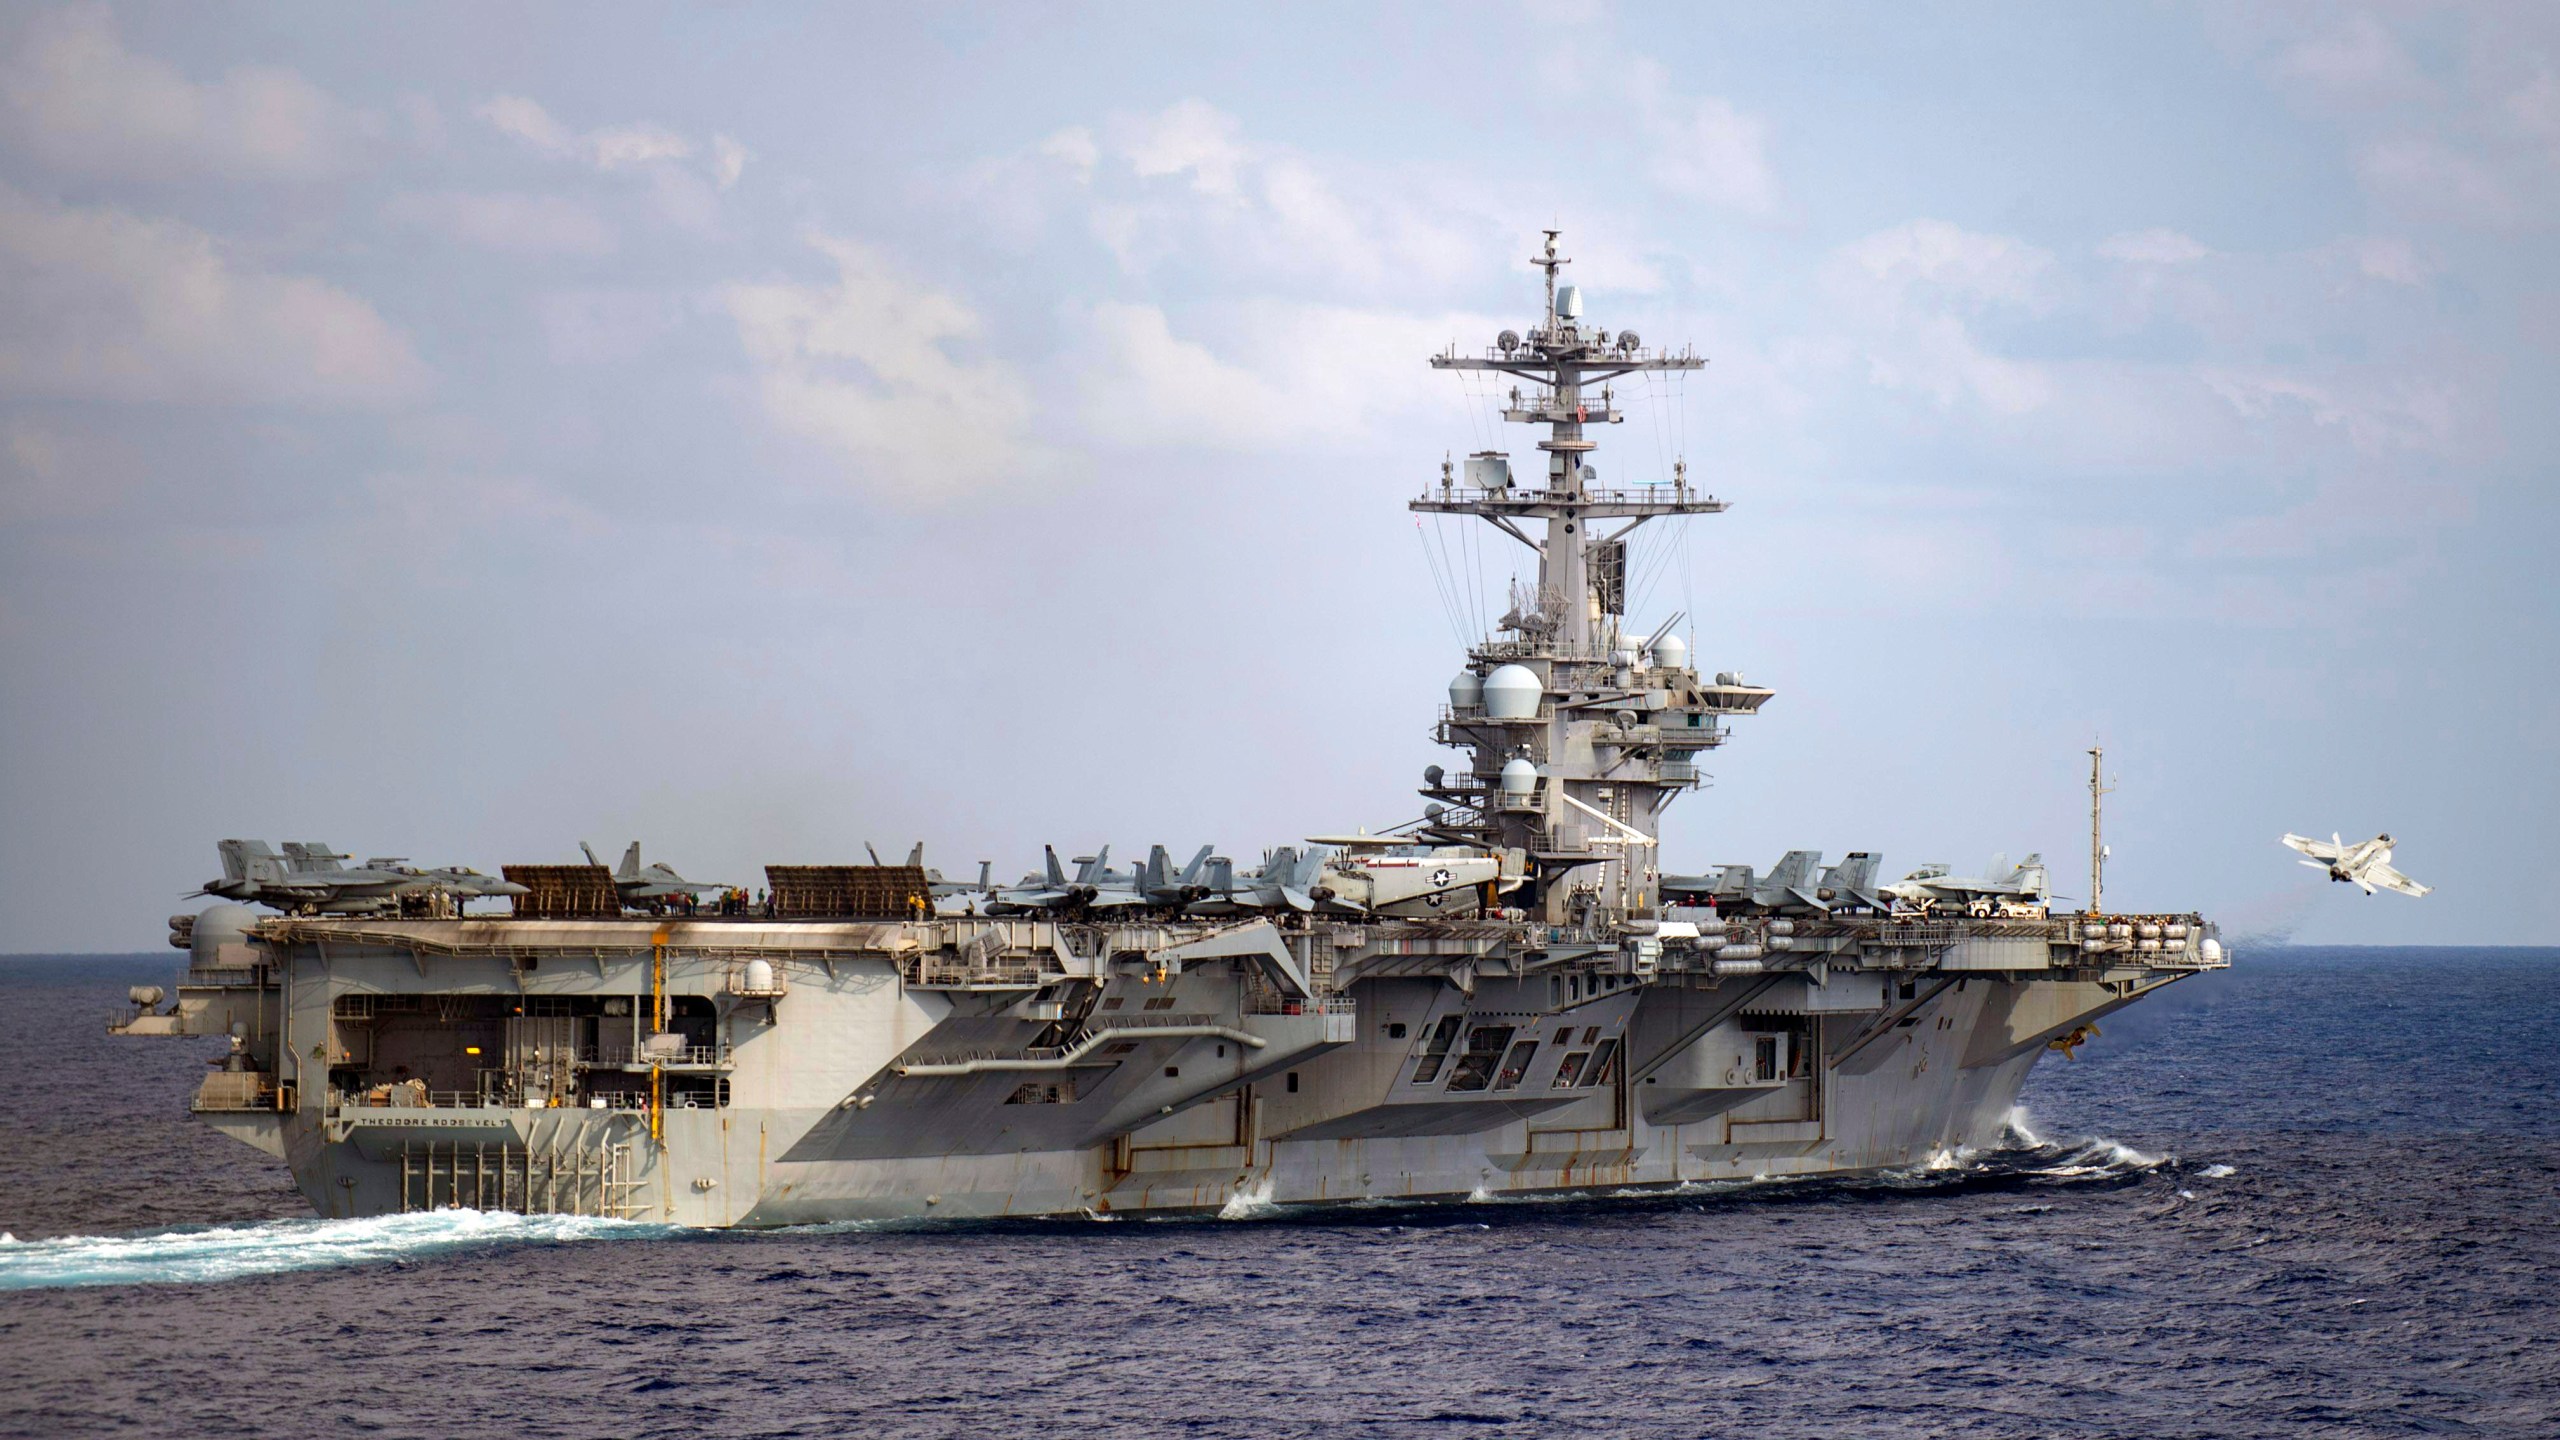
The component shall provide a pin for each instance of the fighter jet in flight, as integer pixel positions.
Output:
(2365, 864)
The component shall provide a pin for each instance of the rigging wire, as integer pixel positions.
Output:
(1447, 610)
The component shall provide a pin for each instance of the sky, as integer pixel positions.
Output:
(457, 432)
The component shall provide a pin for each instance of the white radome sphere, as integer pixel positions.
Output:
(1670, 652)
(1467, 691)
(1512, 693)
(1519, 776)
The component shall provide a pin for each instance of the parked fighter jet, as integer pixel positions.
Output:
(1734, 888)
(308, 879)
(1287, 880)
(1052, 889)
(2002, 886)
(2365, 864)
(651, 888)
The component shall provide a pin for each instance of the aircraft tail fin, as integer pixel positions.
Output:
(1057, 874)
(310, 857)
(249, 860)
(1191, 872)
(1795, 870)
(915, 857)
(630, 863)
(590, 852)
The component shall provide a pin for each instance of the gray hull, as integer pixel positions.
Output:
(1183, 1068)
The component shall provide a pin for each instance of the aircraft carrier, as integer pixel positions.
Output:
(1510, 995)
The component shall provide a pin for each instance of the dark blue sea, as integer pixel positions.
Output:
(2316, 1196)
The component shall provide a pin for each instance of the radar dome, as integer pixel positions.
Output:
(1512, 693)
(1670, 652)
(1467, 691)
(220, 928)
(1519, 776)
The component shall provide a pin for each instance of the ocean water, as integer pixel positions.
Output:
(2316, 1196)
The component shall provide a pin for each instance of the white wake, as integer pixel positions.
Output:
(232, 1252)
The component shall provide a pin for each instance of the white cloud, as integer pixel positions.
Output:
(1278, 363)
(865, 365)
(516, 223)
(627, 147)
(2399, 415)
(1186, 183)
(77, 99)
(106, 305)
(2359, 64)
(50, 472)
(1075, 148)
(2391, 259)
(1909, 294)
(526, 120)
(1706, 149)
(1192, 138)
(637, 146)
(1936, 255)
(2430, 180)
(2152, 247)
(728, 160)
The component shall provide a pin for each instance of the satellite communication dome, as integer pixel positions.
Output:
(1509, 340)
(1467, 691)
(1670, 652)
(1519, 776)
(1628, 340)
(1512, 693)
(219, 928)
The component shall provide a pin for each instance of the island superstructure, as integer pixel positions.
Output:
(1509, 996)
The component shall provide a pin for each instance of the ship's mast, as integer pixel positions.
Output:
(2098, 790)
(1616, 719)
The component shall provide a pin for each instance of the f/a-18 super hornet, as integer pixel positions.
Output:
(653, 886)
(2001, 888)
(1155, 885)
(309, 878)
(1791, 887)
(1053, 888)
(2365, 864)
(1286, 880)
